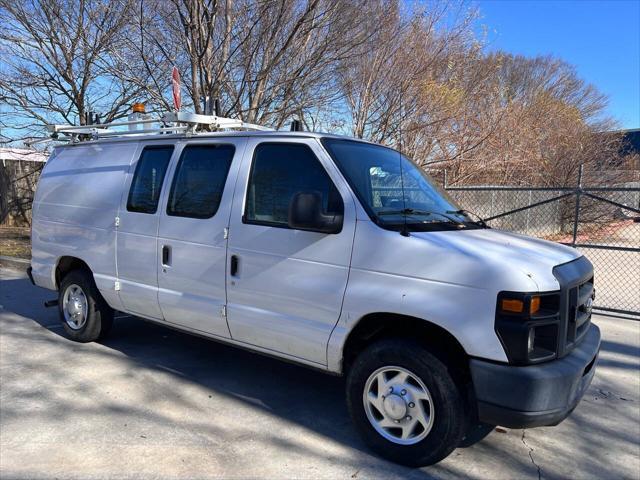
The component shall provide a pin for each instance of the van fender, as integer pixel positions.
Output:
(467, 313)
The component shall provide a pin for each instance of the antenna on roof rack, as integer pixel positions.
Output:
(296, 125)
(212, 107)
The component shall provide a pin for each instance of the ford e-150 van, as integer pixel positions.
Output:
(327, 251)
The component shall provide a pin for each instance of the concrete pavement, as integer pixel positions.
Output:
(149, 402)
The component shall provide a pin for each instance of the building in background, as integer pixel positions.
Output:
(630, 150)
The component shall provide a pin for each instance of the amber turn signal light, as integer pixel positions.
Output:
(512, 305)
(535, 305)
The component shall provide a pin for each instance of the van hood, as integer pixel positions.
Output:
(532, 256)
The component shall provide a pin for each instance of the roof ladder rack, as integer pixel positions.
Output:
(173, 122)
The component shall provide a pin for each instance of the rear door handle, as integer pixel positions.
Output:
(166, 256)
(233, 270)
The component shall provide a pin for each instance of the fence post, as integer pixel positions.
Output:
(526, 228)
(493, 197)
(577, 214)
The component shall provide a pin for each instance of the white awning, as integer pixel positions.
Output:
(23, 154)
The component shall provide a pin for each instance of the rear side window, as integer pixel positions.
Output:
(279, 171)
(147, 179)
(199, 180)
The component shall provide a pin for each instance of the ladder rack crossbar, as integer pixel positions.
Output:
(141, 132)
(102, 126)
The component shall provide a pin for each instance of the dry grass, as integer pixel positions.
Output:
(15, 242)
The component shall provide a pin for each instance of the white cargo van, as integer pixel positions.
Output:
(326, 251)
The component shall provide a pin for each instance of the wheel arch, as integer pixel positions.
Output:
(376, 326)
(66, 264)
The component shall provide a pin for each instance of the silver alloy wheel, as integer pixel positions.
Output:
(398, 405)
(75, 307)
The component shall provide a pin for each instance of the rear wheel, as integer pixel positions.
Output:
(85, 315)
(404, 403)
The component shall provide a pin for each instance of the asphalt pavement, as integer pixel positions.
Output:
(149, 402)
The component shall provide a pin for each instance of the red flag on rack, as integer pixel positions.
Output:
(175, 82)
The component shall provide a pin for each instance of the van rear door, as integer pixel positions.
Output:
(192, 243)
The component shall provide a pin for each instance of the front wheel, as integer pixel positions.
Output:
(405, 404)
(85, 315)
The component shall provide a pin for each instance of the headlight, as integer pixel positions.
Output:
(527, 325)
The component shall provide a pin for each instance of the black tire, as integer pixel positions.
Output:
(99, 317)
(449, 416)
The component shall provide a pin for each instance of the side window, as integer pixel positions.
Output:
(199, 180)
(147, 179)
(279, 171)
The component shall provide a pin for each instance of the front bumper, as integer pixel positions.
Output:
(535, 395)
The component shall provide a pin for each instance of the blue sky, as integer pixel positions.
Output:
(601, 38)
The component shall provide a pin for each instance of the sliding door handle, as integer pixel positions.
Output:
(233, 269)
(166, 256)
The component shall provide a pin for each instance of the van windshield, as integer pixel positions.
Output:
(393, 190)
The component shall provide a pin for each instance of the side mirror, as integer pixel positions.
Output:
(305, 213)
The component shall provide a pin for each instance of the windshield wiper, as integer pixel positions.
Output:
(426, 213)
(463, 211)
(405, 211)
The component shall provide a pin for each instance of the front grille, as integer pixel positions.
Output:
(579, 314)
(576, 298)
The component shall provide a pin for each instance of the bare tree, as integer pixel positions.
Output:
(405, 83)
(57, 61)
(550, 122)
(265, 60)
(411, 76)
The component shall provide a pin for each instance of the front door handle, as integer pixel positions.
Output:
(166, 256)
(233, 270)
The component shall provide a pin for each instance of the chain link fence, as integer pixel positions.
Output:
(601, 222)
